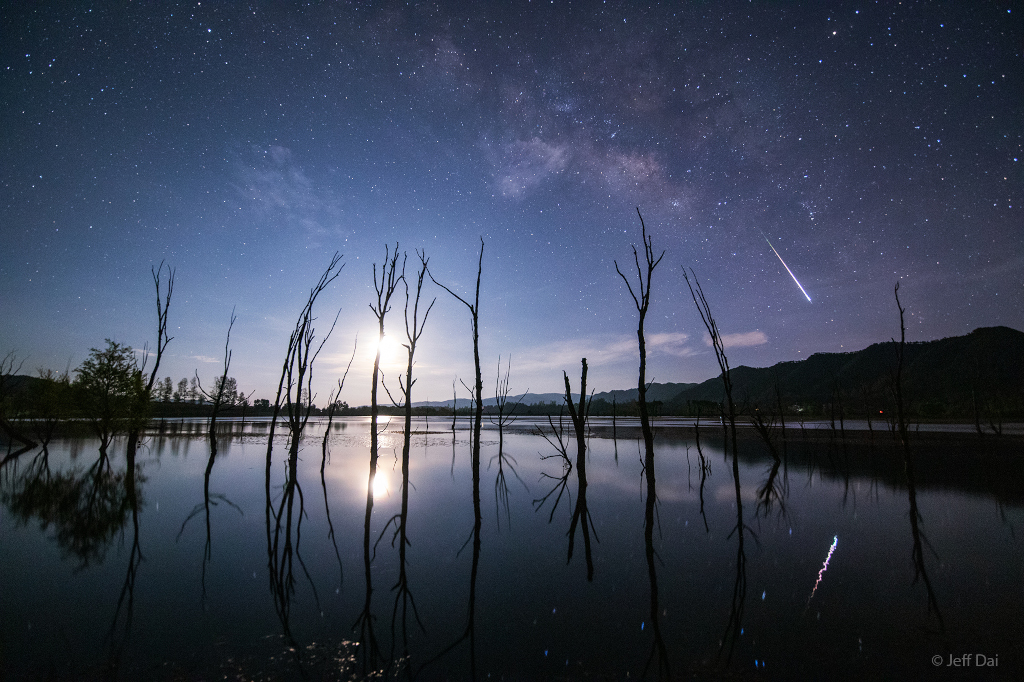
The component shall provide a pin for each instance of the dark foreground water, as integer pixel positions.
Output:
(181, 570)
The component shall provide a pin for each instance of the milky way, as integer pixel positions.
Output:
(245, 144)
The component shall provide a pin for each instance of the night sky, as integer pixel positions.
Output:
(246, 143)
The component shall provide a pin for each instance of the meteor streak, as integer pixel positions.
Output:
(821, 573)
(787, 267)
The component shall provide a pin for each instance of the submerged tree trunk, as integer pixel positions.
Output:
(642, 299)
(478, 412)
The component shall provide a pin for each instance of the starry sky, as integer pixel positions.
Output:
(245, 143)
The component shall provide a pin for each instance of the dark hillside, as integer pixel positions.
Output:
(946, 377)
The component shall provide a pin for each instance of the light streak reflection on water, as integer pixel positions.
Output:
(824, 567)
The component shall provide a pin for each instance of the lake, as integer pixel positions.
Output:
(813, 569)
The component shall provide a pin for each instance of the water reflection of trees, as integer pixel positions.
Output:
(121, 623)
(558, 439)
(84, 509)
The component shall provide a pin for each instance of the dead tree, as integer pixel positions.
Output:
(385, 288)
(581, 513)
(559, 440)
(739, 593)
(163, 304)
(332, 407)
(413, 331)
(296, 375)
(218, 394)
(505, 417)
(332, 400)
(478, 411)
(10, 366)
(917, 535)
(642, 300)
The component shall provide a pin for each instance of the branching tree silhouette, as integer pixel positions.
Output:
(163, 304)
(581, 513)
(505, 416)
(917, 535)
(385, 288)
(478, 411)
(220, 398)
(413, 330)
(283, 525)
(110, 391)
(332, 401)
(559, 440)
(221, 395)
(642, 300)
(739, 593)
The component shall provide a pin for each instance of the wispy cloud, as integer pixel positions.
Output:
(742, 340)
(205, 358)
(273, 182)
(603, 350)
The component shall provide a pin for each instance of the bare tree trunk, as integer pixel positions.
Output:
(642, 299)
(162, 339)
(385, 288)
(581, 513)
(297, 374)
(478, 412)
(734, 626)
(413, 332)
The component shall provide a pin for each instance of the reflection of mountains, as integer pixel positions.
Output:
(962, 464)
(956, 462)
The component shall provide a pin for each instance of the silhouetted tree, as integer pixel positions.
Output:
(283, 524)
(385, 288)
(478, 410)
(642, 300)
(739, 593)
(220, 396)
(141, 410)
(505, 417)
(334, 406)
(109, 387)
(10, 366)
(413, 330)
(917, 535)
(581, 513)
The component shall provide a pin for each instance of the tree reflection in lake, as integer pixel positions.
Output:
(528, 601)
(121, 623)
(581, 512)
(85, 509)
(209, 500)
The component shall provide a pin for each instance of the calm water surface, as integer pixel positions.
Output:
(180, 572)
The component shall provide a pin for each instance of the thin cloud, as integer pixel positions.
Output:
(605, 350)
(275, 185)
(743, 340)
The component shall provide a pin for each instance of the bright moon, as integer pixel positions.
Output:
(380, 484)
(389, 350)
